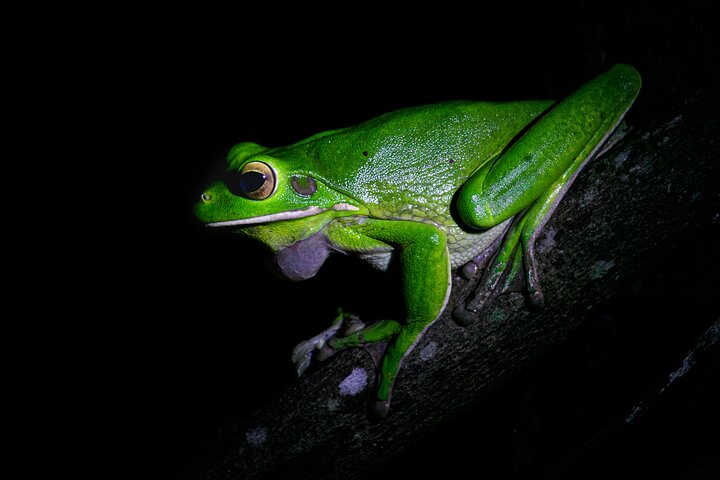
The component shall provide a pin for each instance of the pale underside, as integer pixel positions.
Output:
(462, 245)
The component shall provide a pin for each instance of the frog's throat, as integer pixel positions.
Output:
(289, 215)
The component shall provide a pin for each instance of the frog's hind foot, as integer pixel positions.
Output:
(504, 273)
(499, 278)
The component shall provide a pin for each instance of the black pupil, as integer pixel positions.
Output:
(251, 181)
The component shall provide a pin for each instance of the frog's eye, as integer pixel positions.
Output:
(257, 180)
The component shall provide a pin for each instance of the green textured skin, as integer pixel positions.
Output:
(434, 185)
(416, 161)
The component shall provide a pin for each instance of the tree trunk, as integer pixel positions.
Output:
(655, 190)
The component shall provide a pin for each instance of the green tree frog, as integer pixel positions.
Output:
(434, 188)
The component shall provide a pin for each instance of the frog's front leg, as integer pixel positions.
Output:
(531, 177)
(425, 268)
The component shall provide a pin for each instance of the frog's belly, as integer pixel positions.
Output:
(463, 246)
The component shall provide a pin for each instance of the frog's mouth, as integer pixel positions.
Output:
(277, 217)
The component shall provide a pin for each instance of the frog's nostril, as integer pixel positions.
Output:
(206, 197)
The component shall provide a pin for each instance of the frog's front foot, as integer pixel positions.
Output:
(303, 353)
(319, 345)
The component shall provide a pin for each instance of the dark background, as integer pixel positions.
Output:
(205, 332)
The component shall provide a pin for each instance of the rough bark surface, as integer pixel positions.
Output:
(656, 187)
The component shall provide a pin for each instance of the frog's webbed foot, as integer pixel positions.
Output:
(319, 345)
(503, 270)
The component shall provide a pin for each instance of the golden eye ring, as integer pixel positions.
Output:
(257, 180)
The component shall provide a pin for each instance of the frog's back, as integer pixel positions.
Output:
(414, 160)
(408, 164)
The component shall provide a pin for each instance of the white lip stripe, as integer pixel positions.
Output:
(274, 217)
(344, 206)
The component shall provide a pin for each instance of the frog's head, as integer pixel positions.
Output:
(261, 189)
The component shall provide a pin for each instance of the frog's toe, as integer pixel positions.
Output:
(352, 324)
(463, 316)
(325, 352)
(469, 270)
(380, 408)
(303, 353)
(466, 314)
(536, 300)
(302, 357)
(480, 262)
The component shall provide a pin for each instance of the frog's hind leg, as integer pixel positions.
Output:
(530, 178)
(542, 209)
(517, 251)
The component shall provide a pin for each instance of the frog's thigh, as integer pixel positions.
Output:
(570, 131)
